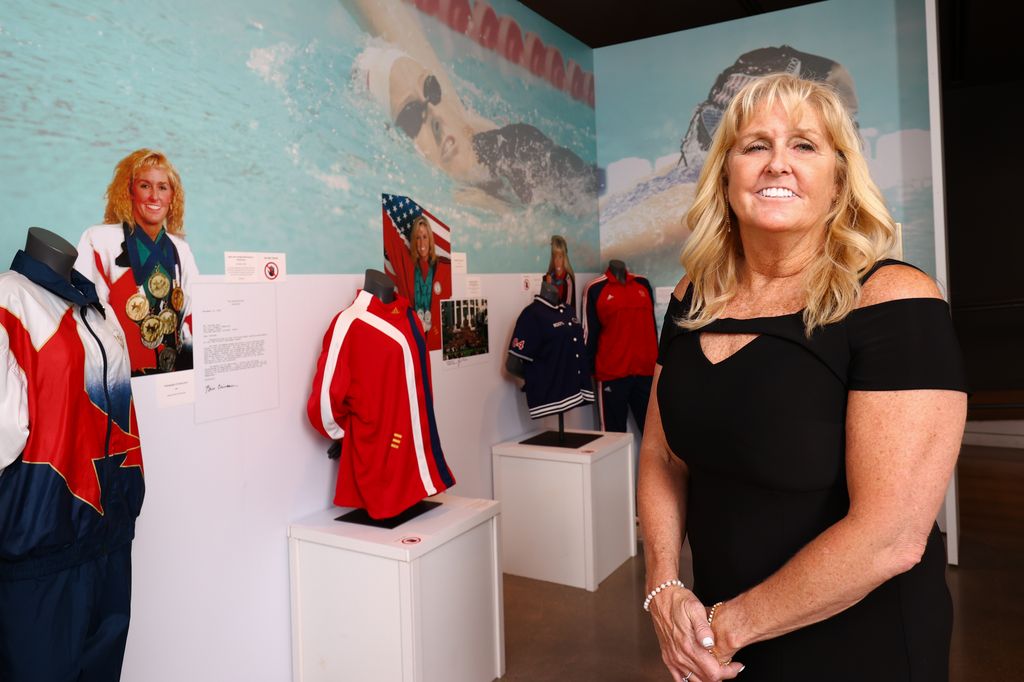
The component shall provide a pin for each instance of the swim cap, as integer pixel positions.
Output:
(372, 70)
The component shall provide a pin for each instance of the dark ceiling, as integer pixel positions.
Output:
(978, 45)
(598, 23)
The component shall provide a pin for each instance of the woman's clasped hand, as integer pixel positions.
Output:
(688, 644)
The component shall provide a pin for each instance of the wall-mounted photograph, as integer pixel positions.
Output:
(464, 328)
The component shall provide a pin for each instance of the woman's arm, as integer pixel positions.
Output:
(189, 272)
(661, 497)
(661, 504)
(680, 619)
(393, 21)
(661, 492)
(901, 447)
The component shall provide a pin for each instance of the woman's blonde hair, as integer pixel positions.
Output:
(858, 228)
(417, 222)
(559, 244)
(119, 195)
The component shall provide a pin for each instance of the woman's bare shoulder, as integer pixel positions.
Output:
(897, 281)
(680, 290)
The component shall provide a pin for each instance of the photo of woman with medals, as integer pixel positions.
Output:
(140, 263)
(428, 277)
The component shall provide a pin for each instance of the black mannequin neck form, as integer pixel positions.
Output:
(618, 269)
(51, 250)
(380, 285)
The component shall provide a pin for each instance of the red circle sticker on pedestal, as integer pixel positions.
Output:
(411, 540)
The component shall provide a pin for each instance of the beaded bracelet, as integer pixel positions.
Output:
(668, 583)
(711, 619)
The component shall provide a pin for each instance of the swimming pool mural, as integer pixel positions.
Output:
(287, 121)
(653, 131)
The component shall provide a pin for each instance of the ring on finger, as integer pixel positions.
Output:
(687, 676)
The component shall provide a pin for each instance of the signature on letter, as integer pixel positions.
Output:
(218, 387)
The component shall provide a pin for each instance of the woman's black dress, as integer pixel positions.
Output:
(763, 436)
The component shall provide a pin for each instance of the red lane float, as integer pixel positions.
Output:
(426, 6)
(534, 53)
(554, 68)
(455, 13)
(502, 35)
(483, 27)
(510, 40)
(574, 80)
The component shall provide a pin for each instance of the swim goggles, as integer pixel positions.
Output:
(410, 119)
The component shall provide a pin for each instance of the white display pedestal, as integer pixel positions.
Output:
(418, 603)
(568, 515)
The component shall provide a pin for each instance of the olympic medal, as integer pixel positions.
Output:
(137, 307)
(158, 284)
(166, 358)
(177, 298)
(169, 320)
(151, 329)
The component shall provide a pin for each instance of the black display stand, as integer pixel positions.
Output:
(361, 517)
(561, 438)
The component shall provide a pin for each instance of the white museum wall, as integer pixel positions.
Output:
(210, 561)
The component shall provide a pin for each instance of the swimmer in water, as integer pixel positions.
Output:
(516, 163)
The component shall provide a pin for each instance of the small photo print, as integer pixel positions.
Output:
(463, 328)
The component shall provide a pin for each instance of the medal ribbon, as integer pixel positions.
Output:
(422, 294)
(161, 252)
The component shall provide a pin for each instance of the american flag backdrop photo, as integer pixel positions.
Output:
(398, 213)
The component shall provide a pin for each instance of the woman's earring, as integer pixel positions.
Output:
(728, 223)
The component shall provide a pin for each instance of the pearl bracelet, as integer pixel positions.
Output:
(668, 583)
(711, 620)
(711, 613)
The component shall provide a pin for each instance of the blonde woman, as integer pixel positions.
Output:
(140, 263)
(806, 415)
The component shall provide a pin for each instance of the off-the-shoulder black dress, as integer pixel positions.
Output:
(763, 435)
